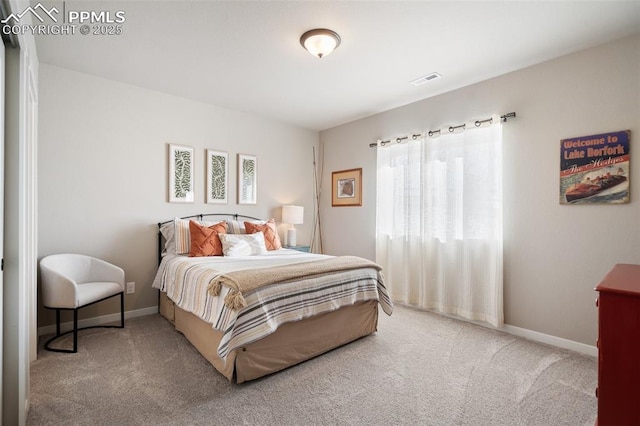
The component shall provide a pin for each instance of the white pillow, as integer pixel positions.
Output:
(168, 233)
(237, 226)
(243, 244)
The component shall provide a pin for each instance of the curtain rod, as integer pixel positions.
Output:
(452, 129)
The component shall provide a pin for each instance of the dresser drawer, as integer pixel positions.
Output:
(618, 343)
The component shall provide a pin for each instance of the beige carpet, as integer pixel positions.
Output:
(418, 369)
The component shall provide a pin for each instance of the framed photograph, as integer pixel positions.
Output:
(595, 169)
(346, 188)
(180, 174)
(247, 179)
(217, 176)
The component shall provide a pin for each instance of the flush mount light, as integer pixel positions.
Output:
(320, 42)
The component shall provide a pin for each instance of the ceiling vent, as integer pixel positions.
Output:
(422, 80)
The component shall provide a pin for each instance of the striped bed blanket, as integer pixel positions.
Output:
(188, 282)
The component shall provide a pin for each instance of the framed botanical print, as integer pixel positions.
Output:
(217, 176)
(247, 179)
(346, 188)
(180, 174)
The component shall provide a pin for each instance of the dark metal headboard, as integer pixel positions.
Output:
(200, 217)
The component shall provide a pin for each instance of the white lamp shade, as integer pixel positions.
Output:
(292, 214)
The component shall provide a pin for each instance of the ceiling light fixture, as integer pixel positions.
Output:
(320, 42)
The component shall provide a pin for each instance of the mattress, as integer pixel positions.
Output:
(187, 281)
(283, 322)
(291, 344)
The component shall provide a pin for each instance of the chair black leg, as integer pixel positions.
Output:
(75, 331)
(121, 310)
(57, 322)
(75, 325)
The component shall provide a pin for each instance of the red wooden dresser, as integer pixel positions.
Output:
(618, 344)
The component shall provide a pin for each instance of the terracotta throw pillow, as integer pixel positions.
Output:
(205, 240)
(271, 238)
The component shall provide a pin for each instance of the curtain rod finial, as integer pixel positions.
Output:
(508, 116)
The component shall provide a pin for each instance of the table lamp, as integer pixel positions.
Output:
(292, 215)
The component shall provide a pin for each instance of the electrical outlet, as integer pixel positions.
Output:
(131, 287)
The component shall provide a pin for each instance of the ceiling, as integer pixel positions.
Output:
(246, 56)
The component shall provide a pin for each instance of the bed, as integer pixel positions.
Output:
(251, 315)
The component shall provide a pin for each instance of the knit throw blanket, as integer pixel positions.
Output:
(246, 281)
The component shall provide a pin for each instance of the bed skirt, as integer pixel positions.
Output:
(290, 344)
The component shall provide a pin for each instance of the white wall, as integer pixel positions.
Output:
(103, 163)
(554, 254)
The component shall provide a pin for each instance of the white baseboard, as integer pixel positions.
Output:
(529, 334)
(516, 331)
(105, 319)
(551, 340)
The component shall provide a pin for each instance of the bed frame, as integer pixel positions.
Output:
(290, 344)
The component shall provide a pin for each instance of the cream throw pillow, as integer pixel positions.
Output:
(243, 244)
(237, 226)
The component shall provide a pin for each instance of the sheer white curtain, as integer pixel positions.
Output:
(439, 223)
